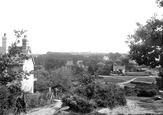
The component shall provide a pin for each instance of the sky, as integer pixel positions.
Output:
(75, 25)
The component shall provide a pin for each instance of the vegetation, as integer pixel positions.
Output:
(60, 78)
(10, 81)
(159, 83)
(78, 104)
(141, 89)
(146, 43)
(146, 79)
(98, 94)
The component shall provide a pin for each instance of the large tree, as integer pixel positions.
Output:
(146, 44)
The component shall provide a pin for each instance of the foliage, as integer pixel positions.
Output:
(109, 95)
(105, 95)
(92, 69)
(129, 91)
(43, 80)
(159, 3)
(78, 104)
(51, 63)
(85, 91)
(146, 43)
(85, 79)
(147, 93)
(4, 94)
(159, 82)
(114, 56)
(61, 78)
(37, 99)
(105, 70)
(141, 89)
(77, 70)
(12, 79)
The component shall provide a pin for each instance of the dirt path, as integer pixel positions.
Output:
(47, 110)
(132, 107)
(122, 84)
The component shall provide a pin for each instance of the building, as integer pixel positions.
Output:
(106, 58)
(4, 47)
(27, 65)
(118, 68)
(69, 64)
(80, 63)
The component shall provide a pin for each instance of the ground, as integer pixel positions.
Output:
(47, 110)
(135, 105)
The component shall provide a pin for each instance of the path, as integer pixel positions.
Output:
(131, 107)
(122, 84)
(47, 110)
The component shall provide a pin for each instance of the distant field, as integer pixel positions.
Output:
(147, 79)
(113, 80)
(124, 78)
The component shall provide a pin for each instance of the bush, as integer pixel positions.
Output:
(36, 99)
(159, 82)
(86, 91)
(4, 94)
(129, 91)
(105, 95)
(78, 104)
(109, 95)
(147, 93)
(141, 89)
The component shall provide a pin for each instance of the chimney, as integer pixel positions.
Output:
(25, 44)
(4, 44)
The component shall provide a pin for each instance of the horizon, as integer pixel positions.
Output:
(75, 26)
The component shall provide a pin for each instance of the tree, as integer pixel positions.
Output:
(146, 44)
(62, 78)
(114, 56)
(52, 64)
(9, 79)
(43, 80)
(159, 3)
(125, 61)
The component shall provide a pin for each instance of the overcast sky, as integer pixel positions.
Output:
(75, 25)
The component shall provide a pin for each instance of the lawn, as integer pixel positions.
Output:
(113, 80)
(123, 78)
(146, 79)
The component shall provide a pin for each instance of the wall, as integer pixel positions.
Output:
(28, 84)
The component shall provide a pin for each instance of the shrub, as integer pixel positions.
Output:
(159, 82)
(86, 91)
(141, 89)
(109, 95)
(147, 93)
(4, 94)
(36, 100)
(105, 95)
(78, 104)
(129, 91)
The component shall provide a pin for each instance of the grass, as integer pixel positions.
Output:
(146, 79)
(124, 78)
(155, 106)
(113, 80)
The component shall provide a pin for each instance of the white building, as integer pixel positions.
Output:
(27, 65)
